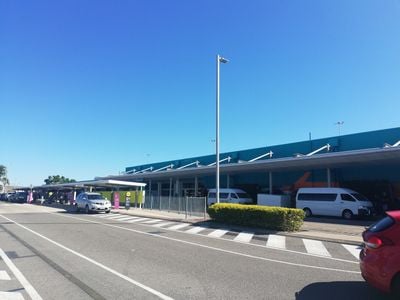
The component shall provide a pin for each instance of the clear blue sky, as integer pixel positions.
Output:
(88, 88)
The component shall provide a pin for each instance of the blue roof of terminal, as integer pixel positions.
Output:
(357, 141)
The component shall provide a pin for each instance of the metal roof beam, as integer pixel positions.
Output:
(222, 160)
(163, 168)
(188, 165)
(145, 170)
(270, 153)
(327, 147)
(386, 145)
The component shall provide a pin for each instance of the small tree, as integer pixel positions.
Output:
(3, 175)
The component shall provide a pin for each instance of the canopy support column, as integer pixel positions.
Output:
(328, 176)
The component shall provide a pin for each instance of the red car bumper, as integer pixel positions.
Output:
(371, 271)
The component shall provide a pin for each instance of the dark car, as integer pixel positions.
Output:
(380, 258)
(19, 197)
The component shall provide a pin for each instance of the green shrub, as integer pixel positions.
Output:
(269, 217)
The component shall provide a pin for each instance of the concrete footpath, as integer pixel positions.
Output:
(323, 229)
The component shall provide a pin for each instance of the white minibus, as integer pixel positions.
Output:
(332, 202)
(229, 196)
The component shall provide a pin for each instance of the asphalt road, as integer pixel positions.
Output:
(52, 254)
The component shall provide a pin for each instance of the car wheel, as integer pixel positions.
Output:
(308, 212)
(347, 214)
(108, 211)
(395, 289)
(87, 209)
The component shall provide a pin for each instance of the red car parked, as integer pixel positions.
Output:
(380, 258)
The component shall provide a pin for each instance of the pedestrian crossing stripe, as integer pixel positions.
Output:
(11, 296)
(152, 221)
(354, 250)
(195, 229)
(137, 220)
(115, 217)
(244, 237)
(316, 247)
(163, 224)
(276, 241)
(179, 226)
(218, 233)
(4, 276)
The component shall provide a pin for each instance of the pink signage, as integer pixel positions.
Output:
(30, 197)
(116, 200)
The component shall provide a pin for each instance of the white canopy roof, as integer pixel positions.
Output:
(93, 183)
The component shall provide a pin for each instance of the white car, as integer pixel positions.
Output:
(92, 202)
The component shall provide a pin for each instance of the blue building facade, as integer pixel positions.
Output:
(367, 162)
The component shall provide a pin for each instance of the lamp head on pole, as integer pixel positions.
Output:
(222, 59)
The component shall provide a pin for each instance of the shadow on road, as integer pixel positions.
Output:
(342, 290)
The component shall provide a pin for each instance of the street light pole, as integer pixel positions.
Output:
(339, 124)
(220, 59)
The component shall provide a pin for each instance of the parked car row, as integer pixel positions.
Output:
(16, 197)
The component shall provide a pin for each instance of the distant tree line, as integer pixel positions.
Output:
(55, 179)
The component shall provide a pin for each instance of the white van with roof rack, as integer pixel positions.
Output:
(338, 202)
(229, 196)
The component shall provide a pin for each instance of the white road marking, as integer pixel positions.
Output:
(163, 224)
(21, 278)
(276, 241)
(218, 233)
(117, 217)
(195, 229)
(138, 284)
(103, 215)
(137, 220)
(223, 250)
(126, 218)
(4, 276)
(354, 250)
(316, 247)
(244, 237)
(179, 226)
(152, 221)
(11, 296)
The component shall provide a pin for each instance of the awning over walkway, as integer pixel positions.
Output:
(110, 183)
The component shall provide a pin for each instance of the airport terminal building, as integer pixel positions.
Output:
(367, 162)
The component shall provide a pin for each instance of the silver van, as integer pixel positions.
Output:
(229, 196)
(338, 202)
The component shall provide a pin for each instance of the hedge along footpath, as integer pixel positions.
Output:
(268, 217)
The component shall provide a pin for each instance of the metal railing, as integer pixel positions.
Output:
(190, 206)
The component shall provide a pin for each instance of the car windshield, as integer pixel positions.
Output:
(359, 197)
(96, 197)
(243, 195)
